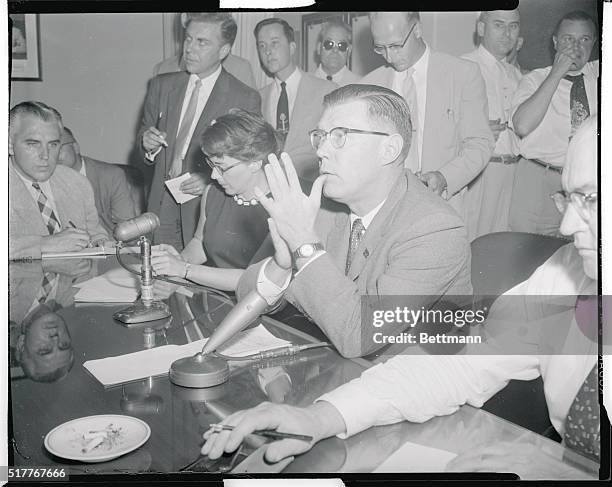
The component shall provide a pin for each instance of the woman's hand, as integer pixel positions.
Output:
(165, 260)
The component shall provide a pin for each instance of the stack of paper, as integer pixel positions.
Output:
(115, 286)
(157, 361)
(174, 186)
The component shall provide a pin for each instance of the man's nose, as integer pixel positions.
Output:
(44, 152)
(571, 222)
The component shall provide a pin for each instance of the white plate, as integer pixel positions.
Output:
(67, 440)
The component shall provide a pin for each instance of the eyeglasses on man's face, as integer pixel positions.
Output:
(220, 169)
(328, 45)
(583, 203)
(394, 48)
(337, 136)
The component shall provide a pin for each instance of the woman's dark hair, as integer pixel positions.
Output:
(243, 135)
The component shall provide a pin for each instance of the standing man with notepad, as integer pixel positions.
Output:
(178, 108)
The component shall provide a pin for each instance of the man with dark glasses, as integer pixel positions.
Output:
(334, 50)
(447, 100)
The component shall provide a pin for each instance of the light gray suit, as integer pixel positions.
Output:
(112, 194)
(307, 111)
(457, 140)
(416, 247)
(74, 201)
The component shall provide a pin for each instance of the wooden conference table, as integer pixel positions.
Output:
(179, 416)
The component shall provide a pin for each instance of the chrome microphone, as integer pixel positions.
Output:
(136, 227)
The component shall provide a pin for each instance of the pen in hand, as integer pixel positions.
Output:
(70, 222)
(159, 117)
(277, 435)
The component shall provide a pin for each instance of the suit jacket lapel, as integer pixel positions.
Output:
(24, 206)
(337, 243)
(176, 96)
(377, 229)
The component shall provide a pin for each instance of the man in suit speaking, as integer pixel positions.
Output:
(51, 207)
(447, 100)
(384, 233)
(178, 108)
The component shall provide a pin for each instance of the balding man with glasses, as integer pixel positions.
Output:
(377, 231)
(447, 100)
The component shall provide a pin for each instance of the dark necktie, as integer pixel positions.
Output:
(582, 432)
(357, 231)
(47, 213)
(579, 103)
(329, 77)
(182, 137)
(282, 111)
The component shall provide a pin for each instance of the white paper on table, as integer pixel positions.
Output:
(174, 185)
(114, 286)
(412, 457)
(157, 361)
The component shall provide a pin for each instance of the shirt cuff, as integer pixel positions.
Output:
(358, 409)
(150, 156)
(269, 290)
(312, 258)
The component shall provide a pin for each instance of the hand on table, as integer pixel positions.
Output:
(194, 185)
(67, 267)
(434, 180)
(280, 417)
(165, 260)
(529, 461)
(68, 240)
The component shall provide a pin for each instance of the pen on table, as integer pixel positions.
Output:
(159, 117)
(267, 433)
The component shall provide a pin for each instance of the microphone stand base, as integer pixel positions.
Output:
(199, 371)
(140, 313)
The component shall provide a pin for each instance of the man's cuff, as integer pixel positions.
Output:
(358, 410)
(312, 258)
(268, 289)
(150, 156)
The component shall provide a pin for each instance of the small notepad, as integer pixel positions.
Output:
(174, 186)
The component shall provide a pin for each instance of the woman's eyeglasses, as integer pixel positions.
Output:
(328, 45)
(221, 170)
(337, 136)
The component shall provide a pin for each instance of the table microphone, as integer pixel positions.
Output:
(146, 308)
(205, 370)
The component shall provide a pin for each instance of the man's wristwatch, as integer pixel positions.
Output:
(305, 251)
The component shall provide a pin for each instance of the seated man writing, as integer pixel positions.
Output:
(51, 207)
(377, 232)
(417, 388)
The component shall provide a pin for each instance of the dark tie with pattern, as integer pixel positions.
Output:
(357, 231)
(582, 422)
(282, 111)
(579, 103)
(46, 286)
(48, 215)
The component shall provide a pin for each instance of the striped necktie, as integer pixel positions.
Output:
(47, 213)
(183, 134)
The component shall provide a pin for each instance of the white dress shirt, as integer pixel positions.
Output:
(549, 140)
(419, 387)
(342, 78)
(46, 189)
(420, 82)
(292, 85)
(501, 81)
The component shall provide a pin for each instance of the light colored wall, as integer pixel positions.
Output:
(95, 69)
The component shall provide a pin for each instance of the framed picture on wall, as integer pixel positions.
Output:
(25, 47)
(311, 26)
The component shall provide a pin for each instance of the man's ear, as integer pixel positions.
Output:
(19, 347)
(224, 51)
(555, 42)
(418, 29)
(319, 47)
(11, 151)
(480, 28)
(292, 50)
(392, 148)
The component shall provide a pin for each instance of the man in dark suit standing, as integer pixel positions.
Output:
(112, 193)
(178, 107)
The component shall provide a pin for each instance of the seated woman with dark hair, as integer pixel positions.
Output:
(233, 228)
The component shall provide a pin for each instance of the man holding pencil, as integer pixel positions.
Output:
(51, 207)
